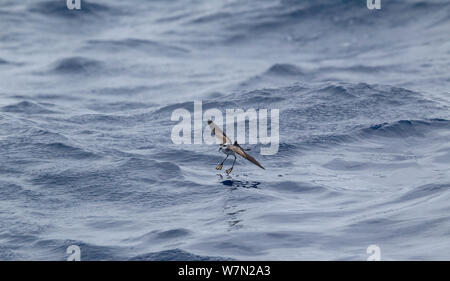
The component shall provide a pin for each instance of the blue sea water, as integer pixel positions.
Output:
(85, 151)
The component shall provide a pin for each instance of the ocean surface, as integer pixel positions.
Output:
(86, 157)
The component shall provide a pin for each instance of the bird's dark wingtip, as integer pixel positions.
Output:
(209, 122)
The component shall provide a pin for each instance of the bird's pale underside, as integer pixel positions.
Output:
(230, 148)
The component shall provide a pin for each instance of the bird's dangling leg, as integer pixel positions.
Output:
(219, 167)
(231, 169)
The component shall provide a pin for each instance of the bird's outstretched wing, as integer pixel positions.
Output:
(218, 133)
(239, 150)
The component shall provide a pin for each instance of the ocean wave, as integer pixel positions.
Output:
(29, 107)
(164, 235)
(13, 191)
(427, 191)
(406, 128)
(133, 44)
(111, 181)
(120, 106)
(119, 91)
(333, 113)
(31, 133)
(285, 70)
(269, 16)
(100, 118)
(175, 255)
(77, 65)
(61, 150)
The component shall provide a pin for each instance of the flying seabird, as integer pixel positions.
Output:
(229, 148)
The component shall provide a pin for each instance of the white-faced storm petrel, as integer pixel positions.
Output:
(229, 148)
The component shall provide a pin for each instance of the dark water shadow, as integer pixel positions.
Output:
(244, 184)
